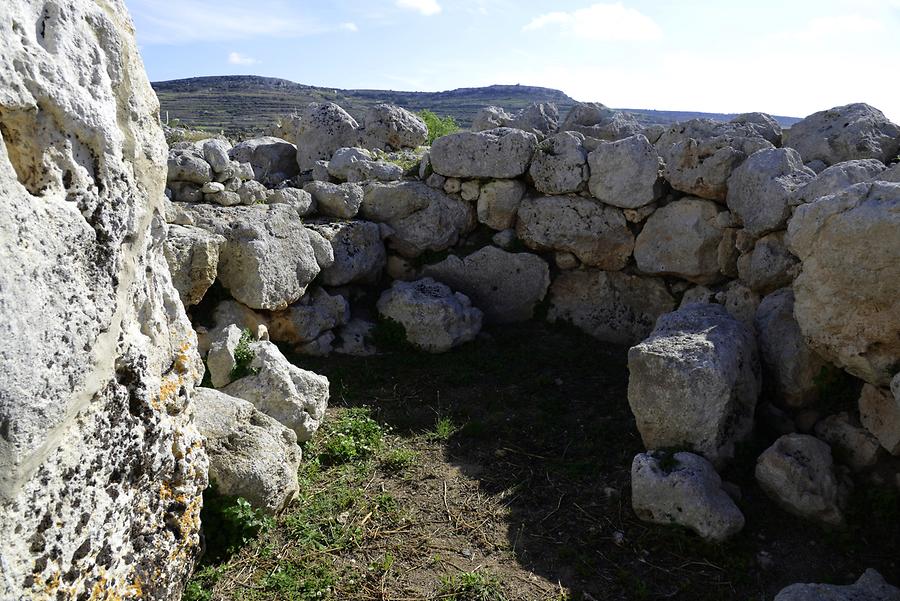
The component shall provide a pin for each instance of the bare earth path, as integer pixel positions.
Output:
(501, 471)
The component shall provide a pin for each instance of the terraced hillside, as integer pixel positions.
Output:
(249, 103)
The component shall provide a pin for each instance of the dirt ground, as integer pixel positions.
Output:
(503, 474)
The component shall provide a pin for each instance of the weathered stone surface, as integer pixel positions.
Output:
(358, 165)
(394, 127)
(879, 412)
(689, 493)
(336, 200)
(871, 586)
(193, 258)
(359, 253)
(267, 260)
(252, 192)
(766, 126)
(498, 203)
(319, 130)
(229, 313)
(316, 313)
(609, 305)
(595, 120)
(760, 188)
(695, 381)
(295, 397)
(626, 173)
(470, 190)
(852, 445)
(836, 178)
(501, 153)
(540, 118)
(435, 318)
(215, 152)
(560, 164)
(701, 154)
(188, 165)
(251, 455)
(273, 159)
(740, 301)
(221, 360)
(681, 239)
(421, 218)
(769, 266)
(595, 233)
(491, 117)
(791, 367)
(354, 339)
(845, 133)
(300, 200)
(505, 286)
(797, 472)
(97, 358)
(891, 174)
(848, 292)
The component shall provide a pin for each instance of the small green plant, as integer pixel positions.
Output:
(400, 459)
(243, 357)
(444, 428)
(199, 587)
(298, 583)
(229, 523)
(471, 586)
(355, 435)
(437, 126)
(389, 335)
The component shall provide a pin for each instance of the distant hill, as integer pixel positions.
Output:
(247, 103)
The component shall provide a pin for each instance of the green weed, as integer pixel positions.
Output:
(437, 126)
(471, 586)
(243, 357)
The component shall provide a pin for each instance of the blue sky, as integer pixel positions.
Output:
(788, 57)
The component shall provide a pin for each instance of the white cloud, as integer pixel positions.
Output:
(426, 7)
(188, 21)
(236, 58)
(600, 22)
(821, 28)
(352, 27)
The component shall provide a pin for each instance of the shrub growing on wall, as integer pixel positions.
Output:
(438, 126)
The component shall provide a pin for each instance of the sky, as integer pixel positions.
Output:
(784, 57)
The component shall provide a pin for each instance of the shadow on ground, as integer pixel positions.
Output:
(542, 424)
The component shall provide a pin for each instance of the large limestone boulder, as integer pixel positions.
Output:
(315, 314)
(848, 292)
(498, 203)
(760, 189)
(221, 358)
(609, 305)
(769, 266)
(682, 239)
(188, 165)
(359, 165)
(685, 490)
(701, 154)
(319, 130)
(797, 472)
(336, 200)
(851, 444)
(766, 126)
(421, 218)
(626, 173)
(273, 159)
(436, 319)
(595, 233)
(791, 367)
(539, 118)
(505, 286)
(295, 397)
(386, 125)
(879, 412)
(501, 153)
(97, 358)
(491, 117)
(595, 120)
(268, 258)
(695, 381)
(845, 133)
(193, 258)
(837, 177)
(871, 586)
(560, 164)
(251, 455)
(359, 253)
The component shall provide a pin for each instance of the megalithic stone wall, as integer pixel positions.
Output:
(101, 468)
